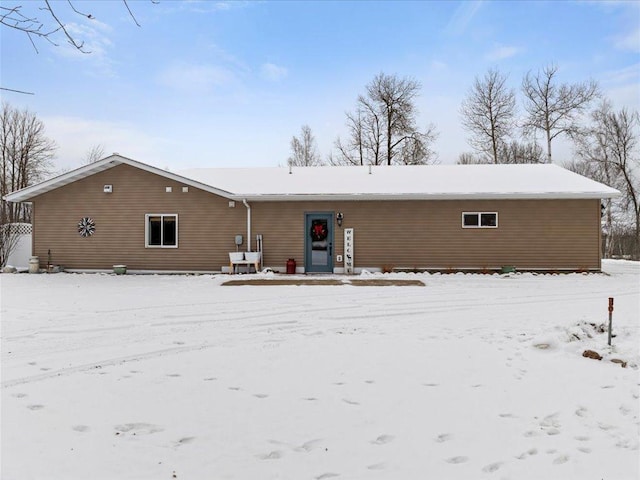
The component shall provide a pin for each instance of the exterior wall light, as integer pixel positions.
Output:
(339, 218)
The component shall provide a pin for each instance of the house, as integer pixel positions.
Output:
(445, 217)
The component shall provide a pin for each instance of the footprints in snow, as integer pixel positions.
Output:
(492, 467)
(444, 437)
(317, 443)
(33, 406)
(561, 459)
(138, 429)
(184, 441)
(383, 439)
(531, 451)
(308, 446)
(456, 460)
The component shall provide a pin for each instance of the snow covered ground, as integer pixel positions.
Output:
(468, 377)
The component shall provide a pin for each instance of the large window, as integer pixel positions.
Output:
(479, 220)
(161, 231)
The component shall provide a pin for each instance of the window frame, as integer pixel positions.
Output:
(147, 229)
(479, 215)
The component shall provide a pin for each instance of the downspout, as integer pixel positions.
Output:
(246, 204)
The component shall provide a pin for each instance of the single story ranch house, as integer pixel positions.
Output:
(328, 219)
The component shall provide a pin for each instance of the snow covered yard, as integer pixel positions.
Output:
(468, 377)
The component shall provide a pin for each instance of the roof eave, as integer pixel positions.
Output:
(421, 196)
(26, 194)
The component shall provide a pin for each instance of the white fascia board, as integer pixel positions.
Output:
(26, 194)
(354, 197)
(61, 180)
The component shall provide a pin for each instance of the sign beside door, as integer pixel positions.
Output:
(348, 251)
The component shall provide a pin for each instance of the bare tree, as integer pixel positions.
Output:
(621, 129)
(488, 113)
(417, 147)
(554, 108)
(393, 98)
(304, 152)
(608, 148)
(520, 152)
(469, 158)
(94, 154)
(25, 156)
(365, 141)
(383, 127)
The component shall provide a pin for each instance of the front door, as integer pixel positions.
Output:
(318, 245)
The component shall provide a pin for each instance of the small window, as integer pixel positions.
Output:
(161, 231)
(470, 220)
(479, 220)
(488, 219)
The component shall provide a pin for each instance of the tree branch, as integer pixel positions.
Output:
(16, 91)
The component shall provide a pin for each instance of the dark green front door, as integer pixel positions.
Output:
(318, 246)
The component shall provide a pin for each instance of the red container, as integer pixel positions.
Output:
(291, 266)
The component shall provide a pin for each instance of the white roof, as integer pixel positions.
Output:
(402, 182)
(428, 182)
(111, 161)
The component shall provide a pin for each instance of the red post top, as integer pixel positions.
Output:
(610, 304)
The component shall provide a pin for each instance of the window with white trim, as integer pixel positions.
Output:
(161, 230)
(479, 219)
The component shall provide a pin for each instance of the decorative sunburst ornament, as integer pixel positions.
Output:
(86, 227)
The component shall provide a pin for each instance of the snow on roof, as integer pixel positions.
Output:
(401, 182)
(435, 182)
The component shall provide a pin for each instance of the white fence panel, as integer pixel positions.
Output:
(21, 253)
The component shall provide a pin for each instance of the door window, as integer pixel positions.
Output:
(319, 241)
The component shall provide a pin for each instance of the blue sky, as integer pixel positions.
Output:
(229, 83)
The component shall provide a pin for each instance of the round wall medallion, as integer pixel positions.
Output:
(86, 227)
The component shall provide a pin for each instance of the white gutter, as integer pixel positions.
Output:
(246, 204)
(293, 197)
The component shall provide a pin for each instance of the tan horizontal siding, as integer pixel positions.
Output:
(553, 234)
(206, 224)
(545, 234)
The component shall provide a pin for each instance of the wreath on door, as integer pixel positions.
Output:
(319, 230)
(86, 227)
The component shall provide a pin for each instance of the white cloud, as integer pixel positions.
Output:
(629, 74)
(195, 78)
(227, 58)
(207, 6)
(463, 16)
(438, 66)
(93, 36)
(273, 72)
(501, 52)
(629, 41)
(75, 136)
(621, 86)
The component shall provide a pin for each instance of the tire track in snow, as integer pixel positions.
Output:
(103, 363)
